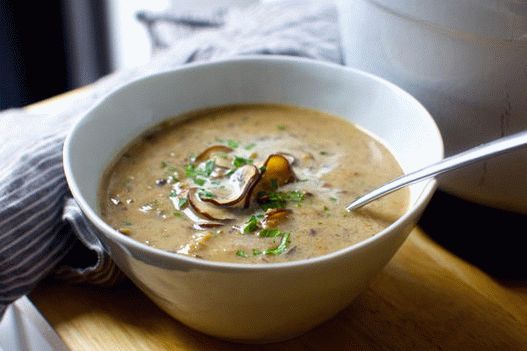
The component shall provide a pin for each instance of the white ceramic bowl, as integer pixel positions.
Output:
(466, 61)
(252, 303)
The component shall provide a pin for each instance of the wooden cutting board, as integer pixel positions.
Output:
(425, 299)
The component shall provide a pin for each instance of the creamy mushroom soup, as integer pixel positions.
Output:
(250, 184)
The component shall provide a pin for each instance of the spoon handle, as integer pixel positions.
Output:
(464, 158)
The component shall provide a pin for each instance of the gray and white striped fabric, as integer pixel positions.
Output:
(40, 224)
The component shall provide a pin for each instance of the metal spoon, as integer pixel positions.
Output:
(462, 159)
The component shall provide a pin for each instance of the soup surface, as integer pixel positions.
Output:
(250, 184)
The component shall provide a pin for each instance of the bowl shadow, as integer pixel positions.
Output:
(493, 240)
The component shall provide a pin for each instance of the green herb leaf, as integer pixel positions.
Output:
(163, 164)
(280, 248)
(241, 161)
(263, 169)
(324, 153)
(249, 146)
(232, 143)
(199, 181)
(209, 167)
(334, 199)
(192, 172)
(127, 222)
(177, 214)
(182, 203)
(241, 253)
(206, 194)
(280, 127)
(252, 224)
(271, 233)
(279, 199)
(295, 196)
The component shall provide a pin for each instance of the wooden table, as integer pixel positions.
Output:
(425, 299)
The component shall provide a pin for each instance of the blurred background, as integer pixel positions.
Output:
(49, 47)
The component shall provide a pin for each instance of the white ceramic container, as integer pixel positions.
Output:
(466, 61)
(252, 303)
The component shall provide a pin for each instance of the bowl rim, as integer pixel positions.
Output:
(129, 243)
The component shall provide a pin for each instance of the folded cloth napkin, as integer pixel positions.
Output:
(42, 230)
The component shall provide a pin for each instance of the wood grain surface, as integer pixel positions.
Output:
(425, 299)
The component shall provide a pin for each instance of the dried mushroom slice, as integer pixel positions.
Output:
(206, 225)
(200, 223)
(237, 191)
(290, 158)
(277, 170)
(206, 209)
(218, 153)
(275, 216)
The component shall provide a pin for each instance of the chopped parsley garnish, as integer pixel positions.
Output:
(176, 214)
(252, 224)
(209, 167)
(279, 199)
(263, 169)
(249, 146)
(295, 196)
(127, 222)
(334, 199)
(241, 161)
(196, 173)
(324, 153)
(232, 143)
(280, 248)
(271, 233)
(274, 251)
(241, 253)
(164, 164)
(206, 194)
(190, 170)
(280, 127)
(199, 181)
(274, 184)
(182, 203)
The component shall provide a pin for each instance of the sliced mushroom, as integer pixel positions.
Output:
(275, 216)
(277, 169)
(237, 191)
(214, 152)
(206, 209)
(206, 225)
(198, 221)
(290, 158)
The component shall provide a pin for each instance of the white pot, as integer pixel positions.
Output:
(466, 61)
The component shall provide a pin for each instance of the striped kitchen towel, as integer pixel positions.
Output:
(42, 231)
